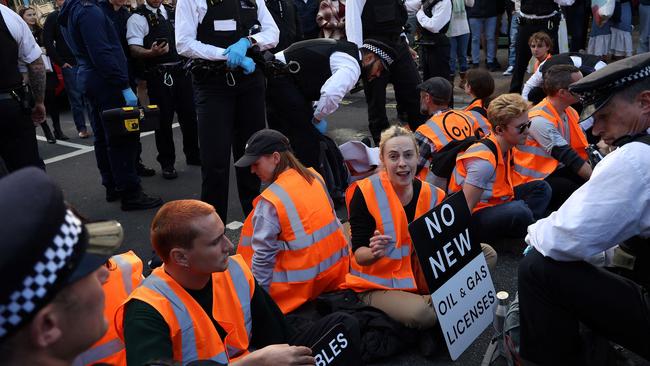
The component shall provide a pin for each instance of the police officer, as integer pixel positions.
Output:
(103, 73)
(285, 15)
(534, 16)
(433, 19)
(323, 70)
(18, 146)
(150, 34)
(384, 20)
(557, 288)
(230, 96)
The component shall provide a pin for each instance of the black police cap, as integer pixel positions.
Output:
(386, 53)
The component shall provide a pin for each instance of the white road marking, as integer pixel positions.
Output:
(235, 225)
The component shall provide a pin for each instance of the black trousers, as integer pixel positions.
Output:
(18, 147)
(227, 117)
(177, 98)
(554, 297)
(522, 50)
(289, 112)
(404, 76)
(577, 22)
(563, 183)
(435, 62)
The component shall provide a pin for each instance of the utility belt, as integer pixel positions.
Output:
(551, 22)
(164, 71)
(22, 95)
(632, 260)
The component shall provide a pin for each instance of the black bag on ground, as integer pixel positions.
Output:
(333, 169)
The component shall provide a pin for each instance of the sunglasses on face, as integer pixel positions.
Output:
(522, 127)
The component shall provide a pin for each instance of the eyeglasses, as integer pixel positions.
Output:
(521, 128)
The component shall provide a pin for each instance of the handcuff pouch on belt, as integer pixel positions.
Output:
(632, 260)
(24, 97)
(165, 72)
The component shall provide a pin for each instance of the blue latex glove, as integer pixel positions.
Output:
(129, 97)
(528, 249)
(321, 125)
(248, 65)
(236, 52)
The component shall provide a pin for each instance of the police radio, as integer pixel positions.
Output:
(131, 120)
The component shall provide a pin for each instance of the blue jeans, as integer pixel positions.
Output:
(458, 51)
(644, 28)
(487, 26)
(511, 219)
(514, 30)
(75, 97)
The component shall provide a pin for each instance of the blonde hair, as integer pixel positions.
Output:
(505, 108)
(395, 131)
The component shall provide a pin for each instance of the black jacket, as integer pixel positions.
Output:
(482, 9)
(54, 42)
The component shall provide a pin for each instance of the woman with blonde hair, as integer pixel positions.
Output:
(292, 240)
(384, 269)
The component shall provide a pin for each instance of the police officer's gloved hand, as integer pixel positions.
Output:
(129, 97)
(236, 52)
(321, 125)
(248, 65)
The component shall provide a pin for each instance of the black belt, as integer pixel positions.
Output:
(554, 18)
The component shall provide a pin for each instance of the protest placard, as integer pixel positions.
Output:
(335, 349)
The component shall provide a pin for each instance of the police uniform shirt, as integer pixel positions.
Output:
(28, 49)
(137, 27)
(440, 15)
(584, 225)
(532, 16)
(345, 73)
(189, 13)
(353, 11)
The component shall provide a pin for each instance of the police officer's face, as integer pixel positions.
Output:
(154, 3)
(620, 117)
(371, 67)
(211, 248)
(400, 158)
(265, 166)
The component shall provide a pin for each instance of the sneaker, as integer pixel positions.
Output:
(139, 201)
(84, 134)
(143, 171)
(509, 71)
(169, 173)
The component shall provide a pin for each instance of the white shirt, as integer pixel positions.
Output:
(189, 13)
(345, 73)
(440, 15)
(137, 26)
(28, 49)
(537, 79)
(612, 206)
(353, 11)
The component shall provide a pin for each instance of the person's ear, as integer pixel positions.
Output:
(276, 157)
(45, 327)
(499, 130)
(179, 257)
(644, 100)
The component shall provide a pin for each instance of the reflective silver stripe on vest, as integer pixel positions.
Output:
(188, 339)
(528, 172)
(438, 132)
(476, 148)
(565, 124)
(535, 150)
(395, 283)
(460, 180)
(243, 292)
(315, 237)
(387, 220)
(96, 354)
(434, 198)
(302, 275)
(245, 241)
(481, 121)
(126, 269)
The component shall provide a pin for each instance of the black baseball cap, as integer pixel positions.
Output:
(263, 142)
(440, 89)
(45, 246)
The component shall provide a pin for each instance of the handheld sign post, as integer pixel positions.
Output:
(455, 269)
(335, 349)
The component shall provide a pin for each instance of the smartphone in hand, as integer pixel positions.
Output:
(161, 42)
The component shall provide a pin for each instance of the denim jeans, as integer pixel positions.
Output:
(644, 28)
(514, 30)
(458, 51)
(75, 97)
(511, 219)
(486, 26)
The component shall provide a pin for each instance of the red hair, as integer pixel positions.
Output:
(172, 226)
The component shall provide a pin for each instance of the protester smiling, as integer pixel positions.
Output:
(292, 239)
(384, 269)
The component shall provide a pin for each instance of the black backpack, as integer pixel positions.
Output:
(444, 161)
(333, 169)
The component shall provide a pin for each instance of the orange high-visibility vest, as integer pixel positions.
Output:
(442, 128)
(393, 271)
(502, 189)
(125, 275)
(532, 161)
(537, 63)
(314, 258)
(484, 124)
(191, 330)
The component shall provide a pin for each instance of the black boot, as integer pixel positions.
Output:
(48, 133)
(139, 200)
(58, 133)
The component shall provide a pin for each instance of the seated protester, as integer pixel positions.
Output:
(479, 85)
(204, 304)
(540, 44)
(555, 148)
(444, 126)
(51, 299)
(384, 269)
(534, 87)
(484, 174)
(124, 275)
(292, 240)
(559, 292)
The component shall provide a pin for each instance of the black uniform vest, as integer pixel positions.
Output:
(439, 38)
(159, 27)
(243, 12)
(314, 58)
(9, 75)
(383, 20)
(538, 7)
(285, 17)
(587, 66)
